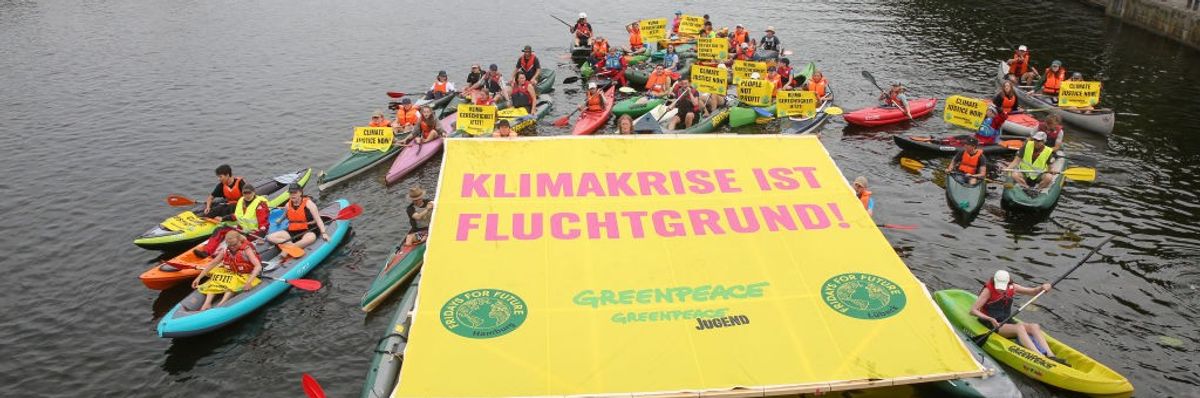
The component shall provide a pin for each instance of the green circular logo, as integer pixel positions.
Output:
(483, 313)
(863, 296)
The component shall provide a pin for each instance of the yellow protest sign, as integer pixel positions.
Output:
(743, 69)
(711, 49)
(965, 111)
(691, 25)
(710, 80)
(367, 139)
(476, 119)
(653, 30)
(801, 103)
(1079, 93)
(183, 221)
(593, 267)
(755, 92)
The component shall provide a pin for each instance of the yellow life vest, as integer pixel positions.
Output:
(247, 216)
(1028, 163)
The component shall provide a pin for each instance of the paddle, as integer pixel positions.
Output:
(911, 164)
(979, 340)
(395, 94)
(570, 79)
(563, 22)
(563, 121)
(896, 226)
(347, 213)
(1082, 174)
(311, 388)
(834, 111)
(871, 78)
(310, 285)
(177, 200)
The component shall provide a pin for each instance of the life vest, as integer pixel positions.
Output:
(785, 72)
(738, 38)
(247, 216)
(1028, 163)
(594, 102)
(526, 62)
(675, 24)
(441, 86)
(635, 39)
(775, 81)
(1054, 80)
(1020, 63)
(1052, 136)
(1008, 104)
(657, 78)
(999, 304)
(600, 48)
(521, 97)
(613, 61)
(745, 54)
(969, 163)
(236, 259)
(893, 98)
(407, 117)
(383, 122)
(818, 86)
(297, 216)
(232, 193)
(492, 83)
(865, 198)
(484, 99)
(582, 30)
(427, 127)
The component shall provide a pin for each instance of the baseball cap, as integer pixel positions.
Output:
(1000, 280)
(1022, 48)
(1039, 136)
(591, 85)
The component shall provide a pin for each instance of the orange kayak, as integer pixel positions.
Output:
(183, 267)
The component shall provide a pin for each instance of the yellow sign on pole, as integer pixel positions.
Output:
(712, 49)
(476, 119)
(755, 92)
(569, 267)
(802, 103)
(653, 30)
(710, 80)
(743, 70)
(367, 139)
(691, 24)
(965, 112)
(1079, 94)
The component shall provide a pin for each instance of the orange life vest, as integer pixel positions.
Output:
(865, 198)
(594, 102)
(1054, 81)
(745, 54)
(482, 98)
(600, 48)
(657, 78)
(738, 38)
(1007, 103)
(236, 259)
(969, 163)
(297, 216)
(635, 39)
(1020, 63)
(426, 127)
(232, 193)
(581, 29)
(382, 122)
(818, 86)
(776, 82)
(440, 86)
(406, 117)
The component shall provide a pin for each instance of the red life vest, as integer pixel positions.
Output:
(297, 216)
(893, 99)
(999, 304)
(969, 163)
(236, 259)
(594, 102)
(1054, 81)
(426, 127)
(440, 86)
(1020, 63)
(526, 62)
(745, 54)
(232, 193)
(581, 29)
(406, 117)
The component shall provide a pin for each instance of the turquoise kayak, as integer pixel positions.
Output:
(185, 319)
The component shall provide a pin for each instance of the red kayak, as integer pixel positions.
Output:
(878, 116)
(589, 122)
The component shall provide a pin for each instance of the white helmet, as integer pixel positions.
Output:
(583, 15)
(591, 85)
(1022, 48)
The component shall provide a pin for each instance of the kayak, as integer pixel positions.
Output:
(684, 51)
(1022, 124)
(523, 122)
(1031, 199)
(590, 122)
(353, 164)
(186, 266)
(389, 351)
(185, 319)
(657, 120)
(881, 115)
(806, 125)
(545, 81)
(580, 54)
(413, 156)
(436, 104)
(186, 228)
(965, 199)
(451, 107)
(637, 77)
(950, 145)
(1084, 375)
(636, 106)
(398, 267)
(997, 384)
(1098, 121)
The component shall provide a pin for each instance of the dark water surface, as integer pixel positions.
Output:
(107, 106)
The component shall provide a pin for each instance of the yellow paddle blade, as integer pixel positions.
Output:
(833, 110)
(1084, 174)
(911, 164)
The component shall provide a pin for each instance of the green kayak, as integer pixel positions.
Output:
(684, 51)
(352, 165)
(964, 199)
(545, 82)
(655, 121)
(1017, 197)
(389, 351)
(436, 104)
(636, 106)
(400, 266)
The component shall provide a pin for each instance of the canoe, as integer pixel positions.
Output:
(965, 199)
(353, 164)
(186, 266)
(657, 119)
(389, 351)
(997, 384)
(881, 115)
(950, 145)
(436, 104)
(398, 267)
(632, 107)
(545, 81)
(1017, 197)
(186, 229)
(590, 122)
(522, 123)
(1022, 124)
(1098, 121)
(1085, 375)
(580, 54)
(185, 319)
(807, 125)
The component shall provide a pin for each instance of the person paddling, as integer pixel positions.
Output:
(1033, 163)
(249, 217)
(528, 65)
(238, 271)
(969, 165)
(523, 94)
(420, 212)
(228, 187)
(1053, 128)
(582, 31)
(504, 130)
(864, 195)
(302, 214)
(599, 51)
(687, 102)
(615, 64)
(441, 87)
(995, 304)
(895, 97)
(595, 101)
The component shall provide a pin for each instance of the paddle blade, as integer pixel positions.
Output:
(395, 94)
(1080, 174)
(176, 200)
(869, 77)
(897, 226)
(833, 110)
(311, 388)
(627, 90)
(1012, 144)
(562, 121)
(310, 285)
(292, 250)
(571, 79)
(911, 164)
(349, 212)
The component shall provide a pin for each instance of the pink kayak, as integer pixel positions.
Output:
(589, 122)
(415, 155)
(878, 116)
(1020, 124)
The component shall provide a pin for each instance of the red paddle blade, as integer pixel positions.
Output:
(903, 227)
(311, 285)
(395, 94)
(177, 200)
(311, 388)
(350, 212)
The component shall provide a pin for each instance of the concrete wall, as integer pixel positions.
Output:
(1165, 17)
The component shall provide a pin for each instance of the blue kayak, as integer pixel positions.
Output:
(185, 319)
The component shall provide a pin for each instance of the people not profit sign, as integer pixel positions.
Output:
(710, 80)
(800, 103)
(755, 92)
(1079, 94)
(965, 112)
(476, 119)
(653, 30)
(367, 139)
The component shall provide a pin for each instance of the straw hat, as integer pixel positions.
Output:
(415, 193)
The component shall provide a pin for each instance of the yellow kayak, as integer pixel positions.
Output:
(1085, 374)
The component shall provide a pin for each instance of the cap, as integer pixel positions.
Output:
(739, 26)
(1039, 136)
(860, 181)
(1077, 74)
(591, 85)
(1000, 280)
(755, 75)
(415, 193)
(528, 49)
(441, 73)
(493, 67)
(583, 15)
(678, 12)
(1056, 63)
(771, 29)
(405, 101)
(1022, 48)
(294, 187)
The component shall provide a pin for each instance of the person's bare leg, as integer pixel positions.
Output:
(1018, 331)
(691, 118)
(1035, 331)
(674, 121)
(307, 239)
(208, 298)
(1045, 180)
(224, 298)
(1019, 177)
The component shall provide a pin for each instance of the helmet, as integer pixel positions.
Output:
(583, 15)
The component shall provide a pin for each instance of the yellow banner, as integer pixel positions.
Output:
(710, 80)
(653, 30)
(743, 70)
(1079, 94)
(603, 266)
(710, 49)
(183, 221)
(367, 139)
(691, 24)
(755, 92)
(800, 103)
(965, 111)
(476, 119)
